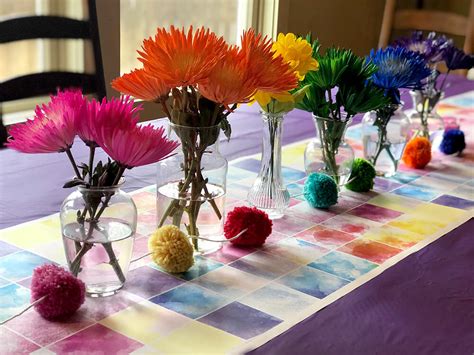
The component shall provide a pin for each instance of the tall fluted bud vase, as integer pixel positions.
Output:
(268, 192)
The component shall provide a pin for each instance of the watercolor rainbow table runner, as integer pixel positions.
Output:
(236, 299)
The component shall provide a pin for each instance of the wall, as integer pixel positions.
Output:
(352, 24)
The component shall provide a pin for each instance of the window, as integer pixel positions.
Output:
(140, 18)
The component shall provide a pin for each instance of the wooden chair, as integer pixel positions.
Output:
(427, 20)
(46, 83)
(53, 27)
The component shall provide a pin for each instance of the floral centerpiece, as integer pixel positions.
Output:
(386, 129)
(98, 220)
(434, 49)
(336, 92)
(268, 191)
(199, 79)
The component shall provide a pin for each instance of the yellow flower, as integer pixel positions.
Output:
(263, 97)
(297, 52)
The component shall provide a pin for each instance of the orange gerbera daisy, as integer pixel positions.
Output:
(181, 59)
(141, 86)
(229, 82)
(272, 73)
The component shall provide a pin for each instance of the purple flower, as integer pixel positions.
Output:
(431, 48)
(455, 59)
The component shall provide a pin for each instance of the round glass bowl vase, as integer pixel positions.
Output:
(329, 153)
(384, 144)
(191, 187)
(98, 228)
(268, 191)
(425, 120)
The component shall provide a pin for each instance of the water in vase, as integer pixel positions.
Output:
(210, 212)
(96, 269)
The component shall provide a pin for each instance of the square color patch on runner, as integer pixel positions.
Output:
(13, 298)
(96, 340)
(370, 250)
(412, 191)
(296, 250)
(278, 300)
(241, 320)
(230, 282)
(313, 282)
(190, 300)
(20, 265)
(264, 265)
(453, 201)
(375, 213)
(343, 265)
(327, 237)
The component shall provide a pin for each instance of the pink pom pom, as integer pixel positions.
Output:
(64, 292)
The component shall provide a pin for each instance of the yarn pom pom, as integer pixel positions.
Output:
(417, 153)
(362, 176)
(64, 292)
(453, 142)
(320, 190)
(258, 225)
(170, 248)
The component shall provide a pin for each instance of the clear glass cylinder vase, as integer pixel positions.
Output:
(98, 228)
(329, 153)
(268, 192)
(425, 120)
(191, 187)
(384, 136)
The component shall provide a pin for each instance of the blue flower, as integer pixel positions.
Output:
(456, 59)
(398, 68)
(430, 48)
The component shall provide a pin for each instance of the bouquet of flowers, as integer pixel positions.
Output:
(434, 49)
(336, 92)
(199, 79)
(109, 125)
(397, 68)
(268, 191)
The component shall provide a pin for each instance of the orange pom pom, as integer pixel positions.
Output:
(417, 153)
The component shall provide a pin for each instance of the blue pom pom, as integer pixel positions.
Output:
(320, 190)
(453, 142)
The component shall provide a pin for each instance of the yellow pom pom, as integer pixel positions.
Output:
(171, 249)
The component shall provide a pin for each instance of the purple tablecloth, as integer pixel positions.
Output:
(431, 311)
(422, 305)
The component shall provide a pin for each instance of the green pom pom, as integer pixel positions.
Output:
(362, 176)
(320, 190)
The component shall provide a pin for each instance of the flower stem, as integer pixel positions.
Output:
(91, 161)
(73, 162)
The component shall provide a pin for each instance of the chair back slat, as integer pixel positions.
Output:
(34, 27)
(428, 20)
(46, 83)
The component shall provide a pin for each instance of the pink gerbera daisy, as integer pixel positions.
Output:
(52, 128)
(136, 146)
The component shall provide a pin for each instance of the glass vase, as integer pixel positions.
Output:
(191, 187)
(98, 227)
(268, 192)
(425, 121)
(384, 135)
(329, 153)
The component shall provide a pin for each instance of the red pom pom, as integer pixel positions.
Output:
(64, 292)
(258, 225)
(417, 153)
